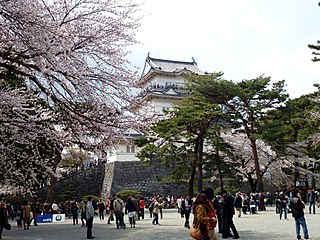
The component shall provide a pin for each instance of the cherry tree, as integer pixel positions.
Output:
(27, 140)
(281, 168)
(72, 55)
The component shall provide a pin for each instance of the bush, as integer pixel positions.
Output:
(126, 193)
(94, 198)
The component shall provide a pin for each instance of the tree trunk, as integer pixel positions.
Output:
(253, 183)
(220, 178)
(191, 181)
(50, 193)
(257, 165)
(200, 161)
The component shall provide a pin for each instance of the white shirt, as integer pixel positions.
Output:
(54, 207)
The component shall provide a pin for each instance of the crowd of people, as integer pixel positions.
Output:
(212, 214)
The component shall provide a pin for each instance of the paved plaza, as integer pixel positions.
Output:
(262, 226)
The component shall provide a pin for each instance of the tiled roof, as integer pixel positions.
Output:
(173, 66)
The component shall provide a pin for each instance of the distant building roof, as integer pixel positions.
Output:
(173, 66)
(154, 66)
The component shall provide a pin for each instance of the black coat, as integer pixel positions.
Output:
(186, 208)
(228, 208)
(297, 207)
(238, 202)
(131, 207)
(3, 215)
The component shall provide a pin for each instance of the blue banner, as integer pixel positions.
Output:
(51, 218)
(45, 218)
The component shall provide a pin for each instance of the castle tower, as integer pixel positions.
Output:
(161, 83)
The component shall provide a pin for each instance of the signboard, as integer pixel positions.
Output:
(51, 218)
(57, 218)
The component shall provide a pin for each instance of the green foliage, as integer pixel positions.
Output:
(125, 194)
(10, 80)
(14, 199)
(230, 189)
(291, 123)
(94, 198)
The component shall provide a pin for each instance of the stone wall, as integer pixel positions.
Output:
(106, 179)
(77, 185)
(144, 179)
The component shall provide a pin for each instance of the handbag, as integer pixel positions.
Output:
(7, 226)
(195, 233)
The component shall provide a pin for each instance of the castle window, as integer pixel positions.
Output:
(131, 149)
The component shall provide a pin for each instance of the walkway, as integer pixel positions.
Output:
(263, 226)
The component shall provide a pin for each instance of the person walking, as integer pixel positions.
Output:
(111, 209)
(238, 203)
(217, 203)
(211, 214)
(179, 206)
(26, 216)
(156, 210)
(118, 206)
(74, 211)
(186, 206)
(227, 215)
(201, 220)
(132, 212)
(151, 204)
(312, 198)
(83, 206)
(297, 209)
(89, 218)
(101, 207)
(54, 208)
(282, 202)
(3, 216)
(141, 208)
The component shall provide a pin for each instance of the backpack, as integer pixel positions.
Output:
(151, 206)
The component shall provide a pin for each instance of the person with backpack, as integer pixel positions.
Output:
(297, 210)
(156, 210)
(118, 206)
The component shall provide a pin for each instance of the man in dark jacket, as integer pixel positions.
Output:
(238, 203)
(217, 202)
(312, 198)
(227, 215)
(297, 208)
(186, 205)
(282, 203)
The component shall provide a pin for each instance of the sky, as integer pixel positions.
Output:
(242, 38)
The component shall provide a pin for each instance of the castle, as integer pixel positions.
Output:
(161, 83)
